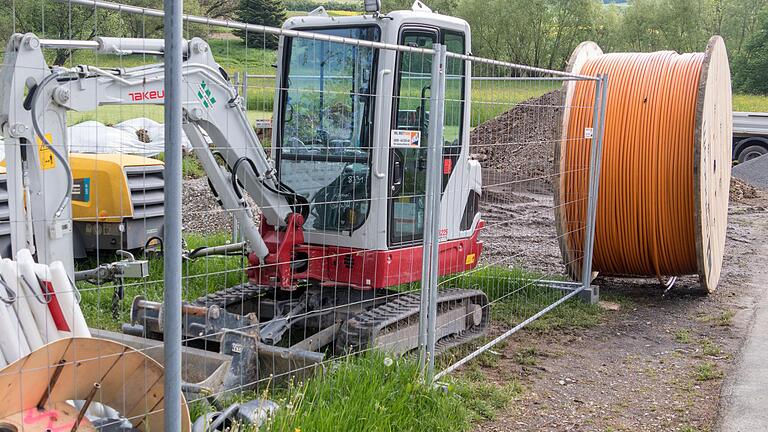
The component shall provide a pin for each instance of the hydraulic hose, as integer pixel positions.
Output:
(663, 188)
(298, 203)
(40, 89)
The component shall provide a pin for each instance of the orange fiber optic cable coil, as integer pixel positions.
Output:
(663, 189)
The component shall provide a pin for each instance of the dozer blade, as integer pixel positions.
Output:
(462, 315)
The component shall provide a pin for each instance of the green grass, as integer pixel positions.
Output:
(364, 394)
(515, 296)
(744, 102)
(231, 54)
(190, 166)
(375, 392)
(113, 114)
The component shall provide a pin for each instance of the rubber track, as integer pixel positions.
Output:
(358, 332)
(228, 296)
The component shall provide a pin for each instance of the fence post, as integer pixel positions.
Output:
(245, 89)
(428, 313)
(595, 163)
(172, 237)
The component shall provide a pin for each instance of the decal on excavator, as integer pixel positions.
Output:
(47, 161)
(204, 94)
(147, 95)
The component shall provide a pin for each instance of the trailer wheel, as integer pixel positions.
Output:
(752, 152)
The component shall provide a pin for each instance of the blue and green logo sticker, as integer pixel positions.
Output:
(204, 94)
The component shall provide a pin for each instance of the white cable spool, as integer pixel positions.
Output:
(65, 294)
(37, 300)
(21, 305)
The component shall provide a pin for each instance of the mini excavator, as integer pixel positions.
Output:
(341, 198)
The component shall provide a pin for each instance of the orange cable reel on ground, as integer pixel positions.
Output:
(662, 204)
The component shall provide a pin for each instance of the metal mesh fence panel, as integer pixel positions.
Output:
(516, 136)
(377, 191)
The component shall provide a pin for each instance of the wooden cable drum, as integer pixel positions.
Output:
(36, 388)
(662, 204)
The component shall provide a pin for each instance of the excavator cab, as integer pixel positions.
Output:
(351, 138)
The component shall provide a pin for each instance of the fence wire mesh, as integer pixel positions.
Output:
(309, 192)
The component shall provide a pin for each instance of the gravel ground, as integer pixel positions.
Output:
(201, 213)
(656, 363)
(520, 224)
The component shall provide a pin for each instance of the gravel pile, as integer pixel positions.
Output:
(522, 140)
(754, 172)
(201, 212)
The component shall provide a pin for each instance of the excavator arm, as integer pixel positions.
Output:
(215, 122)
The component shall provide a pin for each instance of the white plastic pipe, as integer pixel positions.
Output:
(36, 298)
(21, 305)
(13, 343)
(65, 294)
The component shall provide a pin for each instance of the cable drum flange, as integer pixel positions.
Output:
(663, 190)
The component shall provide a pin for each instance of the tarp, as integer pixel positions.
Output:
(95, 137)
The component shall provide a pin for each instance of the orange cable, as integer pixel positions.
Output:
(645, 209)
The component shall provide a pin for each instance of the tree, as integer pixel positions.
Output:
(751, 68)
(54, 20)
(261, 12)
(445, 7)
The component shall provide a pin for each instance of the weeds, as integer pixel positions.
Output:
(709, 348)
(190, 166)
(683, 336)
(527, 356)
(725, 319)
(707, 371)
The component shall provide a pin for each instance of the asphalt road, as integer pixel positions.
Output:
(745, 392)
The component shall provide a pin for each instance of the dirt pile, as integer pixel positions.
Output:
(741, 190)
(522, 140)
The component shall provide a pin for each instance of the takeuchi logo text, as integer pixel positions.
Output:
(147, 95)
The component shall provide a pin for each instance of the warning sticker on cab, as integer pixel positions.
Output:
(405, 138)
(47, 160)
